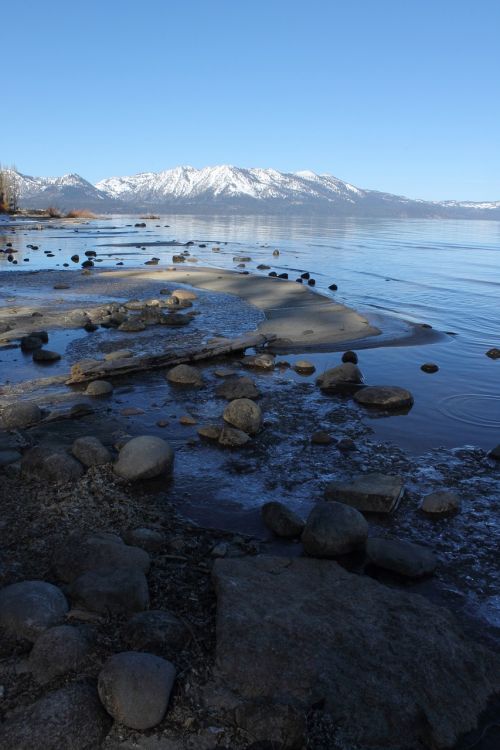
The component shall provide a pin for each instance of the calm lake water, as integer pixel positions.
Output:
(443, 273)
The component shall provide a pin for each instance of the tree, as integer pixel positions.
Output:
(9, 193)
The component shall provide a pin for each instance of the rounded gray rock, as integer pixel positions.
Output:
(19, 415)
(185, 375)
(81, 553)
(334, 529)
(440, 503)
(234, 388)
(405, 558)
(346, 376)
(281, 520)
(106, 590)
(30, 607)
(71, 718)
(243, 414)
(389, 397)
(135, 688)
(90, 451)
(156, 630)
(150, 540)
(50, 463)
(143, 458)
(99, 388)
(230, 437)
(57, 651)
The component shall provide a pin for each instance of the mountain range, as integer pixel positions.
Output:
(229, 189)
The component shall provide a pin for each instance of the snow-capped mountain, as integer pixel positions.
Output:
(229, 189)
(67, 192)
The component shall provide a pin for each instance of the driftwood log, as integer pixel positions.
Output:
(91, 369)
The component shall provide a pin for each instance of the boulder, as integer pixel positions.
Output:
(135, 688)
(232, 437)
(99, 388)
(281, 520)
(243, 414)
(440, 503)
(30, 607)
(233, 388)
(156, 630)
(388, 667)
(71, 718)
(111, 590)
(185, 375)
(405, 558)
(144, 457)
(334, 529)
(78, 554)
(19, 415)
(344, 378)
(369, 493)
(388, 397)
(134, 325)
(50, 463)
(90, 451)
(56, 652)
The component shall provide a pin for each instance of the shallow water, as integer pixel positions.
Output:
(443, 273)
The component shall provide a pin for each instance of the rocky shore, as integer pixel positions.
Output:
(210, 555)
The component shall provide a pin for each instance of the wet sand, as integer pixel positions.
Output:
(297, 316)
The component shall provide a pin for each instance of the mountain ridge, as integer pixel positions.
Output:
(226, 188)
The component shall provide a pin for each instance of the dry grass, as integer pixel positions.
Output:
(149, 216)
(80, 213)
(54, 212)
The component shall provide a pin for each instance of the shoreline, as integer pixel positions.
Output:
(302, 320)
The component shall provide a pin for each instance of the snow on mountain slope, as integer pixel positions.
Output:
(227, 188)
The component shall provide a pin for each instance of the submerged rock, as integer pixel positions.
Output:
(389, 397)
(233, 388)
(440, 503)
(429, 367)
(135, 688)
(185, 375)
(369, 493)
(388, 667)
(45, 355)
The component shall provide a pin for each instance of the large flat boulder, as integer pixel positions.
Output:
(369, 493)
(392, 670)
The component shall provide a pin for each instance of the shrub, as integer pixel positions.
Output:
(80, 213)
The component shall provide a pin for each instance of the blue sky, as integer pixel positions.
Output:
(396, 95)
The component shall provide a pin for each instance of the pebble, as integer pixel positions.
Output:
(304, 367)
(243, 414)
(99, 388)
(90, 451)
(185, 375)
(334, 529)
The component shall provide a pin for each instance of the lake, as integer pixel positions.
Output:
(442, 273)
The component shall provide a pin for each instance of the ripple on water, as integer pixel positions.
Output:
(479, 409)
